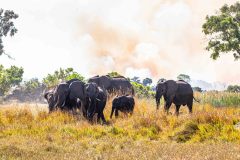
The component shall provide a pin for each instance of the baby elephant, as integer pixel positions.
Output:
(124, 104)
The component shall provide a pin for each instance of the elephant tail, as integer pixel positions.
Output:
(196, 99)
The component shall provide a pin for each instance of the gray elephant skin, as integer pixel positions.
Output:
(96, 101)
(77, 97)
(67, 96)
(124, 104)
(177, 92)
(49, 96)
(114, 84)
(56, 97)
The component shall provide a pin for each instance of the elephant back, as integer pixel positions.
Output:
(184, 87)
(77, 90)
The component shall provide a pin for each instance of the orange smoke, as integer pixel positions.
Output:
(173, 27)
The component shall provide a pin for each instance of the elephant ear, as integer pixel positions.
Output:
(97, 89)
(171, 88)
(45, 95)
(67, 91)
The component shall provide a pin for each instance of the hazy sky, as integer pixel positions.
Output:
(147, 38)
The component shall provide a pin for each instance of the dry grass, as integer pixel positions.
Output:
(27, 131)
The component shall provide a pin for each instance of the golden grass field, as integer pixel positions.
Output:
(27, 131)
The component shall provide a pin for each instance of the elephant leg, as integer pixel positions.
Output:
(131, 113)
(50, 111)
(103, 118)
(177, 110)
(98, 117)
(84, 108)
(157, 102)
(126, 114)
(116, 113)
(112, 112)
(190, 107)
(69, 108)
(74, 110)
(167, 106)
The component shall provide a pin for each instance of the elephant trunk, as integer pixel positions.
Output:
(91, 109)
(158, 97)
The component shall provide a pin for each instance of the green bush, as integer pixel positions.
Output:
(61, 75)
(142, 91)
(10, 77)
(31, 85)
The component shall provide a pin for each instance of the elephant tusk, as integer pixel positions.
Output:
(63, 103)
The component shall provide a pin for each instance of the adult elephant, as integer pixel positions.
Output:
(96, 101)
(177, 92)
(67, 96)
(57, 97)
(113, 84)
(77, 97)
(49, 96)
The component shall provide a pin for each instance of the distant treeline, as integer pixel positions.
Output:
(12, 77)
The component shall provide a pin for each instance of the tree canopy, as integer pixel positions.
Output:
(184, 77)
(10, 77)
(233, 88)
(223, 31)
(31, 84)
(6, 26)
(61, 75)
(142, 91)
(114, 74)
(136, 79)
(197, 89)
(147, 81)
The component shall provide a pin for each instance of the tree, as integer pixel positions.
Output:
(6, 26)
(9, 78)
(31, 85)
(142, 91)
(184, 77)
(136, 79)
(14, 75)
(197, 89)
(61, 75)
(223, 31)
(233, 88)
(114, 74)
(147, 81)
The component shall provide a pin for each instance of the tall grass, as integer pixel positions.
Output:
(219, 99)
(206, 123)
(28, 131)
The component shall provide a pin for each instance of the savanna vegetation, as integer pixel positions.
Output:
(212, 131)
(28, 131)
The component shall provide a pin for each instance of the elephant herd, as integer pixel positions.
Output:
(91, 97)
